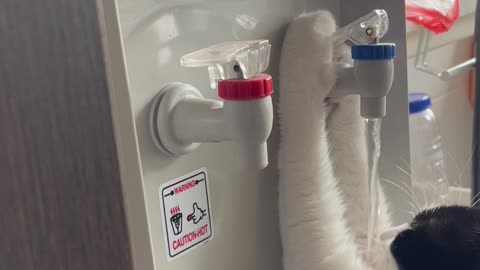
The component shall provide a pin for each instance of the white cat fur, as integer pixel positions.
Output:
(346, 133)
(314, 232)
(323, 220)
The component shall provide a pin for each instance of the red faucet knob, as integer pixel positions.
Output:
(259, 86)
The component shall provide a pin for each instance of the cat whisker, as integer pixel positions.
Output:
(404, 190)
(415, 196)
(416, 183)
(463, 170)
(412, 173)
(416, 186)
(451, 157)
(424, 193)
(439, 193)
(409, 188)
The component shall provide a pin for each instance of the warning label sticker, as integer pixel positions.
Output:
(186, 215)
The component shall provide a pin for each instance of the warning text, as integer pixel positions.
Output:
(189, 237)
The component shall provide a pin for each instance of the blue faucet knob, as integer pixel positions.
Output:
(380, 51)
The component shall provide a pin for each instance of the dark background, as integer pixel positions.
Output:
(60, 193)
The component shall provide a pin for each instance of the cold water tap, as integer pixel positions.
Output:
(371, 75)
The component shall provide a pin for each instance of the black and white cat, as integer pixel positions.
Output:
(323, 187)
(323, 204)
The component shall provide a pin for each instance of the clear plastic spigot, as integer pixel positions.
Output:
(231, 60)
(366, 30)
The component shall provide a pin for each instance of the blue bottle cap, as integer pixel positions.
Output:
(381, 51)
(418, 102)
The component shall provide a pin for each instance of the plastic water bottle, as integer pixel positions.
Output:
(429, 183)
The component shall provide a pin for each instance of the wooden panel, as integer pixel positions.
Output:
(60, 193)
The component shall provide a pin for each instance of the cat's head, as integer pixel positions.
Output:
(442, 238)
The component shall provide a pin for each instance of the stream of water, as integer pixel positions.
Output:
(372, 135)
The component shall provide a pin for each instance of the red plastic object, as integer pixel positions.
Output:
(259, 86)
(432, 19)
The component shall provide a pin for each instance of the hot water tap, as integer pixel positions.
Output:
(181, 118)
(371, 75)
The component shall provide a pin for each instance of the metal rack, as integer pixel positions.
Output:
(422, 64)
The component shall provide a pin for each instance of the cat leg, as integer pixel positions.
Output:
(314, 231)
(346, 130)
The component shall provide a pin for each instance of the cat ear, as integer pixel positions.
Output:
(391, 233)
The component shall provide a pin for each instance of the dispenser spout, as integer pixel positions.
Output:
(374, 107)
(373, 72)
(254, 156)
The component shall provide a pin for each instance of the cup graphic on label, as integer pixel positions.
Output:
(176, 222)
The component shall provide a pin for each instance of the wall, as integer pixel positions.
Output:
(450, 105)
(155, 35)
